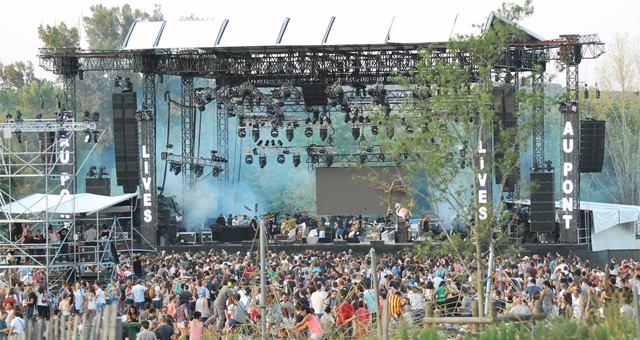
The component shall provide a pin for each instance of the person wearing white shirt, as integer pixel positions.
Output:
(78, 298)
(100, 298)
(17, 324)
(317, 301)
(138, 294)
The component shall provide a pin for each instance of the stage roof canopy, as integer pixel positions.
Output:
(346, 31)
(62, 204)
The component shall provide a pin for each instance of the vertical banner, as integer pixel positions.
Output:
(148, 208)
(570, 176)
(483, 180)
(65, 167)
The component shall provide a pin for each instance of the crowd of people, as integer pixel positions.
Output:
(314, 294)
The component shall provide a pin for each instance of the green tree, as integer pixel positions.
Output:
(618, 78)
(59, 36)
(107, 28)
(453, 121)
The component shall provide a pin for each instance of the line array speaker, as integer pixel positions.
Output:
(505, 107)
(126, 141)
(543, 210)
(592, 133)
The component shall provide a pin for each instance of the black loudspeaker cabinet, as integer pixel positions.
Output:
(592, 134)
(505, 108)
(542, 210)
(126, 141)
(98, 186)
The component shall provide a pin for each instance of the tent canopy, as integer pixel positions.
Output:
(605, 215)
(63, 204)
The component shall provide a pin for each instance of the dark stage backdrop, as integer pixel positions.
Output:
(347, 191)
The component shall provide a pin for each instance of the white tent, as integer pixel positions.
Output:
(62, 204)
(613, 227)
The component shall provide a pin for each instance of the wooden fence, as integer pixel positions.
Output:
(102, 326)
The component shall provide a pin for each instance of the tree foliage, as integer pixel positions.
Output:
(619, 106)
(107, 28)
(59, 36)
(454, 139)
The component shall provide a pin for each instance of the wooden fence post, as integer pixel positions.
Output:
(474, 313)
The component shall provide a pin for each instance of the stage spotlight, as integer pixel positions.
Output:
(87, 116)
(363, 158)
(274, 133)
(347, 118)
(549, 165)
(308, 132)
(260, 143)
(248, 159)
(216, 171)
(289, 134)
(323, 133)
(374, 130)
(355, 133)
(262, 160)
(409, 129)
(92, 171)
(95, 136)
(198, 170)
(328, 159)
(586, 91)
(87, 136)
(280, 159)
(255, 135)
(273, 142)
(19, 136)
(316, 116)
(296, 160)
(9, 117)
(39, 116)
(280, 143)
(242, 132)
(381, 157)
(177, 168)
(315, 159)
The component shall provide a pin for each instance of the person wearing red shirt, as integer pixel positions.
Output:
(345, 313)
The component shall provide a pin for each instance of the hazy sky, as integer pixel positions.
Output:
(19, 20)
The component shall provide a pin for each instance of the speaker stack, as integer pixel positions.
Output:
(592, 134)
(505, 107)
(98, 186)
(543, 209)
(125, 133)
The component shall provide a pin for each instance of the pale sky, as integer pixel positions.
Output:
(19, 20)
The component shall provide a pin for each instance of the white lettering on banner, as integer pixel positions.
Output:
(64, 158)
(482, 190)
(567, 169)
(146, 187)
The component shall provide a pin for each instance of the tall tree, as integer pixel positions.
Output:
(450, 124)
(59, 36)
(619, 106)
(106, 28)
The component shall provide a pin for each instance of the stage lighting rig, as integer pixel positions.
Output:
(328, 159)
(19, 117)
(289, 133)
(262, 161)
(324, 132)
(198, 170)
(248, 159)
(377, 93)
(355, 133)
(308, 132)
(274, 133)
(87, 136)
(280, 159)
(102, 171)
(92, 171)
(335, 94)
(242, 132)
(255, 134)
(215, 172)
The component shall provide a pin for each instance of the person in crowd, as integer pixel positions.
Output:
(310, 322)
(145, 332)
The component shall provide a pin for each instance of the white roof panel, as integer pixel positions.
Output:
(251, 31)
(143, 35)
(62, 204)
(306, 30)
(189, 34)
(357, 29)
(433, 27)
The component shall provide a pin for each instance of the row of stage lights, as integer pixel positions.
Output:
(198, 170)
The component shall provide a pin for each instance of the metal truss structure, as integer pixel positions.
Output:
(357, 66)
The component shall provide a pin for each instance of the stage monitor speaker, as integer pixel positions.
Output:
(505, 108)
(126, 141)
(98, 186)
(314, 95)
(592, 133)
(542, 209)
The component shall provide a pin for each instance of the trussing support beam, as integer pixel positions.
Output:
(537, 82)
(570, 156)
(222, 139)
(69, 94)
(188, 133)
